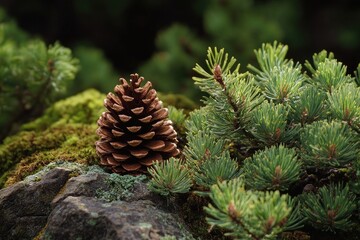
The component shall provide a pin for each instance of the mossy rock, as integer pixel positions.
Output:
(71, 142)
(66, 132)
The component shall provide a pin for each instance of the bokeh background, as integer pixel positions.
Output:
(162, 40)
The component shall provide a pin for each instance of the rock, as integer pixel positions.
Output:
(92, 205)
(24, 207)
(90, 218)
(83, 185)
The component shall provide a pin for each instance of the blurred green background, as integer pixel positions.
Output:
(162, 40)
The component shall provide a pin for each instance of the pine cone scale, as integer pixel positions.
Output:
(120, 157)
(118, 145)
(112, 97)
(155, 145)
(134, 129)
(160, 114)
(147, 136)
(158, 124)
(131, 167)
(127, 98)
(146, 119)
(124, 118)
(139, 153)
(112, 161)
(137, 110)
(134, 143)
(150, 159)
(117, 133)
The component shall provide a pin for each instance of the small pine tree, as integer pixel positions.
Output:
(275, 148)
(32, 76)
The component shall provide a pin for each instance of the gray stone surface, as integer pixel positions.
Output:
(74, 208)
(90, 218)
(24, 207)
(83, 185)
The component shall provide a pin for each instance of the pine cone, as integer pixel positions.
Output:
(134, 132)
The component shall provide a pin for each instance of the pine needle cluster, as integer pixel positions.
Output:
(275, 148)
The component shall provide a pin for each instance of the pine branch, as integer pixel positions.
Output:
(308, 107)
(270, 56)
(274, 168)
(328, 144)
(222, 84)
(330, 74)
(318, 58)
(344, 104)
(330, 209)
(270, 124)
(35, 75)
(215, 168)
(247, 214)
(357, 75)
(169, 177)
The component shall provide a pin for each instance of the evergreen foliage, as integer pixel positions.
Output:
(344, 104)
(202, 145)
(32, 76)
(308, 106)
(169, 177)
(267, 140)
(328, 144)
(330, 209)
(357, 75)
(247, 214)
(330, 74)
(274, 168)
(318, 58)
(215, 168)
(270, 124)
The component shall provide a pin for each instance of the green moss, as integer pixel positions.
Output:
(85, 107)
(66, 132)
(70, 142)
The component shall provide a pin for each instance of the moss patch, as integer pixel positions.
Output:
(84, 108)
(66, 132)
(49, 146)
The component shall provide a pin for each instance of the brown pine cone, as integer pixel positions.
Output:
(134, 132)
